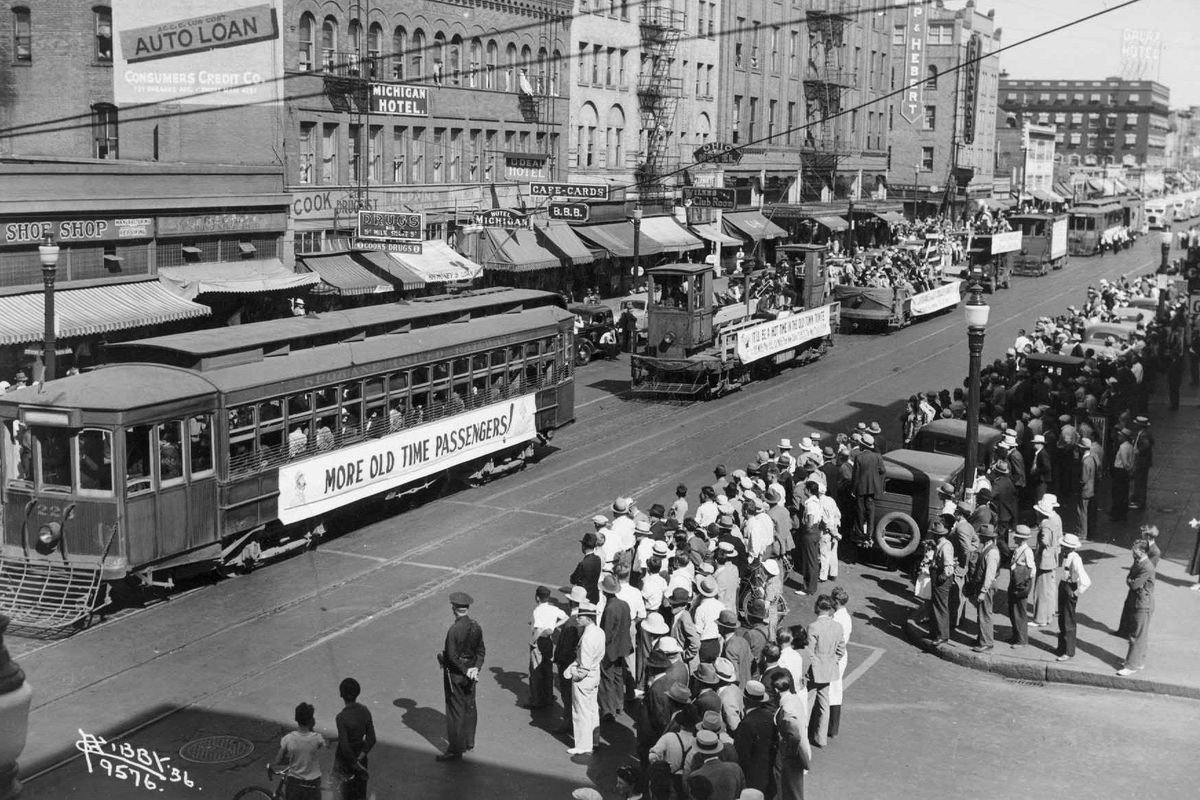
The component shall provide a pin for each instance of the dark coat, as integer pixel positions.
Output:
(868, 473)
(615, 622)
(1141, 584)
(587, 575)
(727, 779)
(737, 650)
(1004, 498)
(754, 740)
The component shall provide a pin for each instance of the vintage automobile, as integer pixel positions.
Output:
(1055, 364)
(593, 321)
(909, 500)
(949, 436)
(1107, 339)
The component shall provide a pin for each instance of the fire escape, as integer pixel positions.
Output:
(347, 84)
(825, 81)
(659, 90)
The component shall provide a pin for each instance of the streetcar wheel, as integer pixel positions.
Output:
(897, 534)
(583, 352)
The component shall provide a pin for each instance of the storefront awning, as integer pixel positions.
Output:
(91, 310)
(559, 237)
(617, 238)
(1063, 189)
(1095, 184)
(438, 262)
(1045, 196)
(712, 232)
(248, 276)
(671, 236)
(384, 262)
(834, 224)
(890, 217)
(341, 274)
(516, 251)
(753, 225)
(1119, 186)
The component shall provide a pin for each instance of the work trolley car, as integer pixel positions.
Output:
(219, 448)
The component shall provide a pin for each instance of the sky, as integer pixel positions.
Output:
(1092, 50)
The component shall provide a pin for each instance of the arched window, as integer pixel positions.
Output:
(510, 68)
(557, 76)
(439, 57)
(399, 51)
(328, 42)
(305, 41)
(104, 130)
(932, 74)
(476, 64)
(493, 65)
(526, 59)
(375, 50)
(22, 30)
(103, 19)
(354, 57)
(585, 136)
(418, 55)
(614, 138)
(455, 63)
(541, 84)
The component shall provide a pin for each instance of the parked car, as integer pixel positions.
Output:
(909, 499)
(1055, 364)
(949, 436)
(593, 321)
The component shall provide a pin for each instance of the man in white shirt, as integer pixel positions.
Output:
(760, 528)
(654, 585)
(707, 612)
(831, 516)
(1074, 582)
(585, 674)
(545, 620)
(707, 511)
(637, 613)
(623, 509)
(679, 508)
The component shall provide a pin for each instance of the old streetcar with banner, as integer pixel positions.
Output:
(221, 448)
(693, 351)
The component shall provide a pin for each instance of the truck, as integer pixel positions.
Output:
(1043, 243)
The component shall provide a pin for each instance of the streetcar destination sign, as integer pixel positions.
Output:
(391, 226)
(584, 191)
(718, 153)
(710, 197)
(572, 212)
(502, 218)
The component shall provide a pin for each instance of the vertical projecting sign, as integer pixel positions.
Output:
(912, 103)
(971, 87)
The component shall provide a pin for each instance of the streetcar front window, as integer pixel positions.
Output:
(95, 461)
(54, 455)
(170, 452)
(200, 444)
(137, 460)
(17, 453)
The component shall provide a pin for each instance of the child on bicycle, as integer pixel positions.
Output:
(299, 751)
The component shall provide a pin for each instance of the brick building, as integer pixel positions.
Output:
(1110, 122)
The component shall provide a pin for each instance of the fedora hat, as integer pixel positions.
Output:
(1022, 532)
(774, 495)
(1039, 439)
(874, 429)
(1046, 505)
(658, 660)
(609, 585)
(1070, 540)
(575, 594)
(868, 440)
(706, 586)
(659, 549)
(1001, 466)
(679, 693)
(711, 721)
(705, 673)
(757, 609)
(725, 670)
(587, 608)
(657, 510)
(727, 619)
(1140, 421)
(986, 530)
(655, 625)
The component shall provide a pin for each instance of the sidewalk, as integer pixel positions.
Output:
(1174, 653)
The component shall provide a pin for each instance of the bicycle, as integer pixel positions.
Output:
(257, 792)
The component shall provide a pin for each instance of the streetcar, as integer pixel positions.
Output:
(1156, 215)
(224, 448)
(1043, 242)
(1091, 222)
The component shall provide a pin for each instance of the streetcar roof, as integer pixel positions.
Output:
(118, 387)
(218, 347)
(680, 269)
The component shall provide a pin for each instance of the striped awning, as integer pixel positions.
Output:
(670, 235)
(92, 310)
(234, 277)
(383, 261)
(559, 238)
(753, 225)
(713, 233)
(518, 251)
(342, 275)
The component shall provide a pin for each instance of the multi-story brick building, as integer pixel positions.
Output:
(948, 123)
(1025, 157)
(1110, 122)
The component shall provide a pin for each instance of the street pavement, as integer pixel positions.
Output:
(233, 659)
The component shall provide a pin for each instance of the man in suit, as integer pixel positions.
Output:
(826, 646)
(1088, 472)
(1143, 459)
(734, 647)
(656, 706)
(461, 659)
(714, 779)
(564, 652)
(587, 571)
(867, 482)
(615, 622)
(1004, 500)
(754, 738)
(1141, 599)
(683, 627)
(1041, 468)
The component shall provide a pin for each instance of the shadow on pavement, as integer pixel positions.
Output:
(429, 723)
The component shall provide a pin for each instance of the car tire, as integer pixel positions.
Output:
(908, 526)
(583, 352)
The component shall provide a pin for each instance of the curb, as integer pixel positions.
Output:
(1046, 673)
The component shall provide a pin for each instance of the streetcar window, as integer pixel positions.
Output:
(270, 410)
(241, 418)
(479, 363)
(498, 359)
(516, 353)
(461, 366)
(398, 382)
(479, 391)
(531, 349)
(298, 405)
(95, 461)
(18, 456)
(54, 452)
(375, 425)
(325, 429)
(200, 444)
(170, 451)
(441, 371)
(374, 387)
(420, 376)
(297, 440)
(326, 398)
(351, 391)
(137, 460)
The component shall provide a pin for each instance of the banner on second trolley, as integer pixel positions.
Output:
(778, 335)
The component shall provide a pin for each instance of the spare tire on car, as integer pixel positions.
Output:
(897, 534)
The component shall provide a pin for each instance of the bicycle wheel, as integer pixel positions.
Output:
(254, 793)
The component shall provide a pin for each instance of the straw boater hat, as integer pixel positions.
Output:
(868, 440)
(622, 505)
(655, 625)
(668, 645)
(1022, 532)
(1069, 540)
(874, 429)
(1046, 505)
(771, 566)
(707, 587)
(785, 444)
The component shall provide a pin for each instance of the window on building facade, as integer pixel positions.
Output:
(1134, 97)
(304, 42)
(624, 9)
(712, 17)
(930, 118)
(375, 154)
(1077, 118)
(940, 34)
(418, 55)
(753, 119)
(596, 50)
(329, 154)
(510, 68)
(438, 58)
(1130, 139)
(400, 154)
(104, 47)
(609, 55)
(439, 154)
(739, 45)
(793, 49)
(700, 21)
(475, 65)
(1044, 97)
(927, 159)
(791, 122)
(699, 79)
(737, 118)
(1094, 98)
(104, 131)
(354, 170)
(374, 51)
(931, 76)
(455, 65)
(774, 49)
(493, 65)
(584, 49)
(621, 67)
(898, 34)
(353, 59)
(754, 44)
(22, 32)
(307, 154)
(771, 119)
(708, 73)
(1077, 97)
(1061, 97)
(328, 42)
(399, 52)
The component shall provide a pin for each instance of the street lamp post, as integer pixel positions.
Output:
(637, 267)
(48, 253)
(976, 312)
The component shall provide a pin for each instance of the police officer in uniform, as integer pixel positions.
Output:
(460, 661)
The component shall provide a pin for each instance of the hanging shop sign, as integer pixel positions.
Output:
(718, 153)
(912, 102)
(710, 197)
(502, 218)
(571, 212)
(582, 191)
(390, 226)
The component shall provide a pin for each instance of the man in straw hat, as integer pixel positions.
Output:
(1022, 567)
(1074, 582)
(714, 779)
(584, 674)
(1045, 583)
(943, 589)
(707, 613)
(565, 649)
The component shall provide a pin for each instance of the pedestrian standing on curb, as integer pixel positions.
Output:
(867, 484)
(356, 738)
(564, 653)
(584, 674)
(1089, 471)
(1022, 568)
(1141, 589)
(615, 622)
(1122, 469)
(841, 615)
(981, 586)
(461, 659)
(943, 588)
(299, 749)
(1074, 582)
(826, 647)
(545, 620)
(809, 544)
(1143, 459)
(1045, 583)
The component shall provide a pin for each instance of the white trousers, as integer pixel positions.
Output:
(828, 559)
(585, 710)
